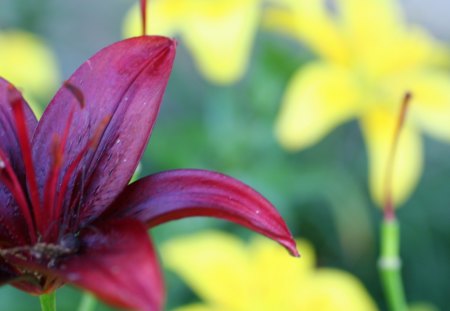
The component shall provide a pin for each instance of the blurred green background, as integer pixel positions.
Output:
(322, 192)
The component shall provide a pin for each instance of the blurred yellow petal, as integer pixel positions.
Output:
(441, 56)
(165, 17)
(333, 290)
(430, 105)
(412, 50)
(368, 14)
(220, 35)
(319, 97)
(198, 307)
(378, 126)
(369, 23)
(283, 275)
(214, 265)
(29, 64)
(267, 276)
(283, 21)
(310, 21)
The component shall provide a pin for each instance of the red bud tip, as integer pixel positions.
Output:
(404, 109)
(144, 16)
(407, 98)
(389, 211)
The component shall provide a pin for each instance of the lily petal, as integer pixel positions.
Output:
(164, 18)
(215, 266)
(117, 263)
(9, 142)
(415, 49)
(227, 274)
(370, 23)
(122, 86)
(318, 98)
(220, 35)
(378, 128)
(198, 307)
(10, 219)
(178, 194)
(312, 23)
(327, 287)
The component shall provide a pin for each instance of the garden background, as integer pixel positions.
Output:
(321, 191)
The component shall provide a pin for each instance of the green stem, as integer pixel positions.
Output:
(88, 302)
(390, 265)
(48, 302)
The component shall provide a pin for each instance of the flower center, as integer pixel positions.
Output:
(38, 251)
(50, 216)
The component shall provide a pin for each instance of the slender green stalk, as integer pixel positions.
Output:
(390, 265)
(88, 302)
(48, 302)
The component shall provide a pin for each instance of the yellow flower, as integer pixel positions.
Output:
(28, 63)
(232, 276)
(218, 33)
(369, 58)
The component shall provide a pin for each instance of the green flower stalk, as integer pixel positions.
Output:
(390, 262)
(48, 301)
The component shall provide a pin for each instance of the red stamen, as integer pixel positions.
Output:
(91, 144)
(389, 210)
(51, 200)
(58, 154)
(144, 16)
(19, 115)
(12, 183)
(50, 197)
(51, 185)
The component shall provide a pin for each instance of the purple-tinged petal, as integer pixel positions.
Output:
(8, 135)
(177, 194)
(118, 264)
(11, 223)
(122, 86)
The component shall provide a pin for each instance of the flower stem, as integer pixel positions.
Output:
(390, 264)
(48, 302)
(88, 302)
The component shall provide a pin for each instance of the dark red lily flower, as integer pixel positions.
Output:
(67, 213)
